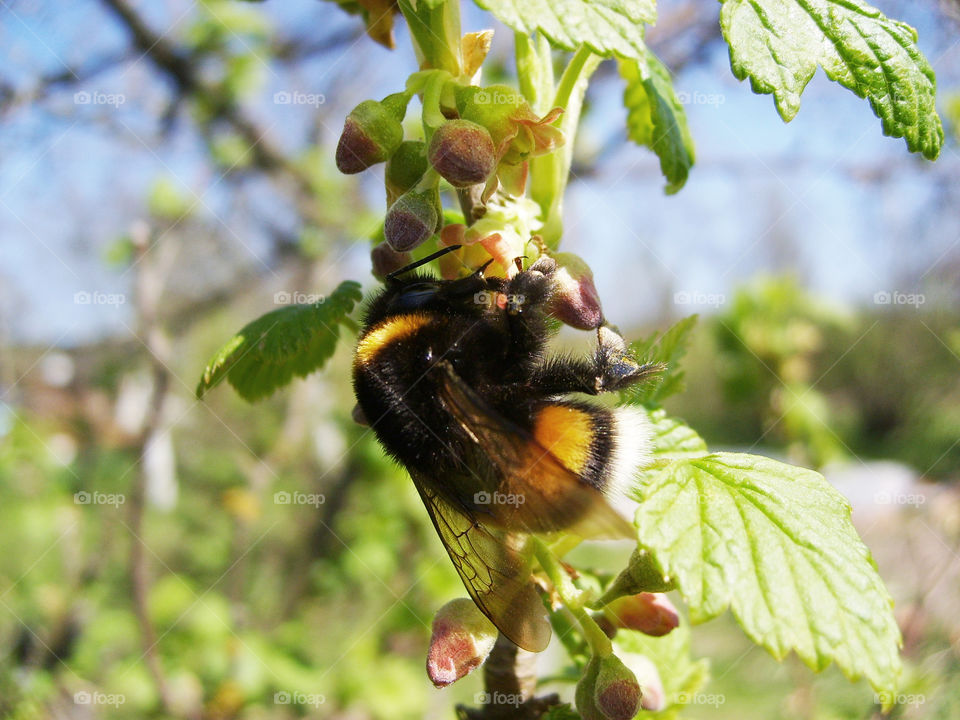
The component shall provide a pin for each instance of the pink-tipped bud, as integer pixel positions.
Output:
(617, 693)
(384, 260)
(412, 219)
(575, 300)
(649, 613)
(463, 153)
(654, 697)
(462, 639)
(371, 134)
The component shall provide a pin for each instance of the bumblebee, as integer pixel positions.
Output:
(454, 379)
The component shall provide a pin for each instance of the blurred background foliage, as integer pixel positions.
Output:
(165, 558)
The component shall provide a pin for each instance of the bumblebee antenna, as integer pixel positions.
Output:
(422, 261)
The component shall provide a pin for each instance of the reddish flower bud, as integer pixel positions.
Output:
(584, 696)
(463, 153)
(405, 168)
(654, 697)
(575, 300)
(371, 133)
(617, 693)
(385, 260)
(462, 639)
(412, 219)
(650, 613)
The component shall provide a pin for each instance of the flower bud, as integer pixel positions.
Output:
(650, 613)
(462, 639)
(617, 692)
(412, 219)
(643, 574)
(405, 168)
(385, 260)
(575, 300)
(463, 153)
(584, 694)
(371, 133)
(654, 697)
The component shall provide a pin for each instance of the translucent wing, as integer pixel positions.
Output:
(494, 567)
(536, 492)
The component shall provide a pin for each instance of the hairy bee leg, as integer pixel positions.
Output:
(616, 369)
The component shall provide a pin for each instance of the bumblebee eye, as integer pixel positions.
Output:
(415, 295)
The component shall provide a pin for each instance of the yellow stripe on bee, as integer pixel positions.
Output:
(390, 330)
(567, 433)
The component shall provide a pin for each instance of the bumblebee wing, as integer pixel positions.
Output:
(494, 567)
(546, 495)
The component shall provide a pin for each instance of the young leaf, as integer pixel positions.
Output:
(668, 349)
(656, 118)
(292, 341)
(604, 26)
(674, 439)
(779, 43)
(775, 544)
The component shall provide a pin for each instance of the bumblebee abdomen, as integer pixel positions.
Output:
(580, 436)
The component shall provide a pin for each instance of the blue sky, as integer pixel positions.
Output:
(764, 195)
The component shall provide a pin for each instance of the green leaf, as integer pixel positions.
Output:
(604, 26)
(779, 43)
(656, 118)
(292, 341)
(775, 544)
(674, 439)
(668, 349)
(561, 712)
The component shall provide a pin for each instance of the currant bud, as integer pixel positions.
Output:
(405, 168)
(649, 613)
(412, 219)
(617, 693)
(371, 133)
(575, 300)
(384, 260)
(461, 640)
(462, 152)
